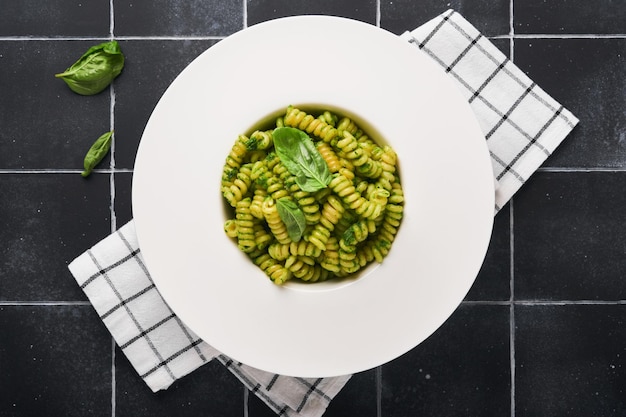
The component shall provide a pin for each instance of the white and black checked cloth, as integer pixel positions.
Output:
(522, 126)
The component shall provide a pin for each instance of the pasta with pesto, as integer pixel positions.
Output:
(312, 227)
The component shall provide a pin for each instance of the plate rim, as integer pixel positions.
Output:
(138, 184)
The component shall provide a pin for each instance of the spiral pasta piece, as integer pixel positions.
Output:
(276, 188)
(302, 268)
(332, 211)
(281, 171)
(260, 140)
(393, 214)
(330, 257)
(256, 206)
(230, 227)
(234, 160)
(329, 155)
(348, 125)
(262, 238)
(276, 225)
(245, 226)
(356, 234)
(235, 192)
(329, 118)
(305, 200)
(388, 160)
(308, 123)
(276, 272)
(348, 262)
(359, 156)
(347, 192)
(281, 251)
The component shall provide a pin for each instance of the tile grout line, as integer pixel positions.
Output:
(544, 302)
(221, 37)
(570, 303)
(10, 303)
(567, 169)
(245, 13)
(512, 298)
(113, 378)
(106, 38)
(62, 171)
(512, 240)
(570, 36)
(511, 32)
(560, 36)
(378, 13)
(379, 391)
(112, 156)
(130, 170)
(112, 201)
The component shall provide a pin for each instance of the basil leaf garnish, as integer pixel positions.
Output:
(96, 153)
(95, 70)
(292, 216)
(299, 155)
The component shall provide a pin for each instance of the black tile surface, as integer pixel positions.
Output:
(541, 332)
(54, 18)
(570, 16)
(178, 18)
(579, 256)
(211, 390)
(44, 124)
(462, 369)
(357, 398)
(123, 198)
(570, 360)
(55, 359)
(494, 279)
(262, 10)
(587, 75)
(491, 17)
(46, 221)
(143, 83)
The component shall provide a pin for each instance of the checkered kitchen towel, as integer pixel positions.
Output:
(522, 125)
(159, 346)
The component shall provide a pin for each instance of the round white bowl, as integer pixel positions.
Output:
(396, 93)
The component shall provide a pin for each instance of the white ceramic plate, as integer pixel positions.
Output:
(398, 94)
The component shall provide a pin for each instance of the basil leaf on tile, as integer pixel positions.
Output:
(95, 70)
(297, 151)
(292, 216)
(97, 152)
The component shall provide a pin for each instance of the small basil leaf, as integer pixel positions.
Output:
(95, 69)
(292, 216)
(300, 156)
(96, 153)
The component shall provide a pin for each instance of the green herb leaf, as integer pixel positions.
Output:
(95, 70)
(292, 216)
(96, 153)
(299, 155)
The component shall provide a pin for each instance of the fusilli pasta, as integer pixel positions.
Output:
(348, 224)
